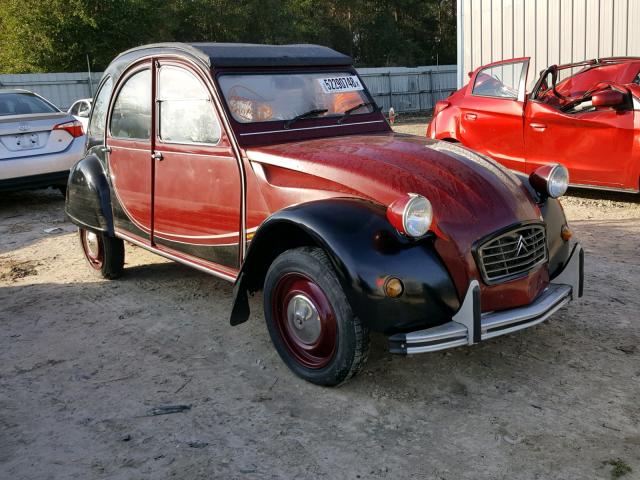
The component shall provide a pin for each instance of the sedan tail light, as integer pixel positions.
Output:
(73, 128)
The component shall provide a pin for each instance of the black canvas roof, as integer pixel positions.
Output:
(253, 55)
(245, 54)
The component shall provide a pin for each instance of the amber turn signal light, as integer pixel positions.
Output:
(566, 233)
(393, 287)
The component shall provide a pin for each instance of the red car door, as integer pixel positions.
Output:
(129, 140)
(197, 183)
(492, 111)
(596, 146)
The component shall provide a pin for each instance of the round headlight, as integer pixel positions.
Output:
(551, 180)
(417, 216)
(558, 181)
(411, 215)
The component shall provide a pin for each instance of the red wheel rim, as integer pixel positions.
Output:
(305, 320)
(93, 248)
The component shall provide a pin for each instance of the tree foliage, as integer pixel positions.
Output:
(58, 35)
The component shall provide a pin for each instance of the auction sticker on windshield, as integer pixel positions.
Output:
(349, 83)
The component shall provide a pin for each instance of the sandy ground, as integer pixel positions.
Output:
(83, 363)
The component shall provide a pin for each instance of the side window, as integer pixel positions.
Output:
(131, 117)
(501, 81)
(99, 114)
(186, 114)
(74, 109)
(83, 109)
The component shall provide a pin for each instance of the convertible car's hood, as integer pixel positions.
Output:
(471, 195)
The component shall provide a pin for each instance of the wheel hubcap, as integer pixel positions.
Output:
(93, 246)
(305, 320)
(93, 249)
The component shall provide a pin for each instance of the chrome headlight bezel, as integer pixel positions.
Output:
(411, 215)
(550, 180)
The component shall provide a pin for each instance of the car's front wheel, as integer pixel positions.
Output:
(104, 254)
(310, 320)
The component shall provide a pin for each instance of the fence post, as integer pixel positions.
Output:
(390, 90)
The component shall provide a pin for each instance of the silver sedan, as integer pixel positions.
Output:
(38, 142)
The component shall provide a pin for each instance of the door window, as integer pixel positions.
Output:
(131, 117)
(186, 114)
(99, 114)
(501, 81)
(75, 108)
(83, 110)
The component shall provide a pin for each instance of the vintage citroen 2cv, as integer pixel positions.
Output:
(272, 167)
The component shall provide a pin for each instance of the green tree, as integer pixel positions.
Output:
(57, 35)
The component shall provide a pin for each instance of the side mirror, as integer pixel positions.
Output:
(608, 98)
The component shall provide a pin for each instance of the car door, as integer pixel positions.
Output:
(129, 142)
(197, 183)
(596, 146)
(491, 120)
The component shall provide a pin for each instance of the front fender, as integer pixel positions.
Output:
(88, 202)
(365, 250)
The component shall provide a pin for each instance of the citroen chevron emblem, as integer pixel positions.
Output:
(521, 246)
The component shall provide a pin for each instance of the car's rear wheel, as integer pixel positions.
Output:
(310, 320)
(104, 254)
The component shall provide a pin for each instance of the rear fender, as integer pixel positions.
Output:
(365, 251)
(447, 124)
(88, 202)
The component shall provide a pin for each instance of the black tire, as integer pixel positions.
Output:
(308, 273)
(103, 253)
(63, 190)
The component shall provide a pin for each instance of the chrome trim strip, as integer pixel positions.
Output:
(202, 268)
(311, 128)
(598, 187)
(205, 237)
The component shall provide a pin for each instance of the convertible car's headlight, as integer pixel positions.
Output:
(411, 215)
(550, 180)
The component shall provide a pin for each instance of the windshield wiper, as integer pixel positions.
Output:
(311, 113)
(349, 111)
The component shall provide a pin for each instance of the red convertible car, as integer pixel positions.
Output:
(583, 115)
(271, 167)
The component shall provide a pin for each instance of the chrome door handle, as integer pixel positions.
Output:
(470, 116)
(157, 156)
(538, 126)
(105, 149)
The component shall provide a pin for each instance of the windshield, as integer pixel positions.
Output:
(18, 103)
(285, 96)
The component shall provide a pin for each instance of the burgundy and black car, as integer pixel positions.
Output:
(271, 167)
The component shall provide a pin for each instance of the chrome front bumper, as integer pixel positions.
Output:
(469, 325)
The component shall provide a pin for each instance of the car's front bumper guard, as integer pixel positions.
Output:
(470, 326)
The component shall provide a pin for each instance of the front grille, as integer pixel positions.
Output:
(512, 254)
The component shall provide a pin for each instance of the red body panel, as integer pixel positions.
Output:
(132, 191)
(384, 167)
(600, 148)
(203, 207)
